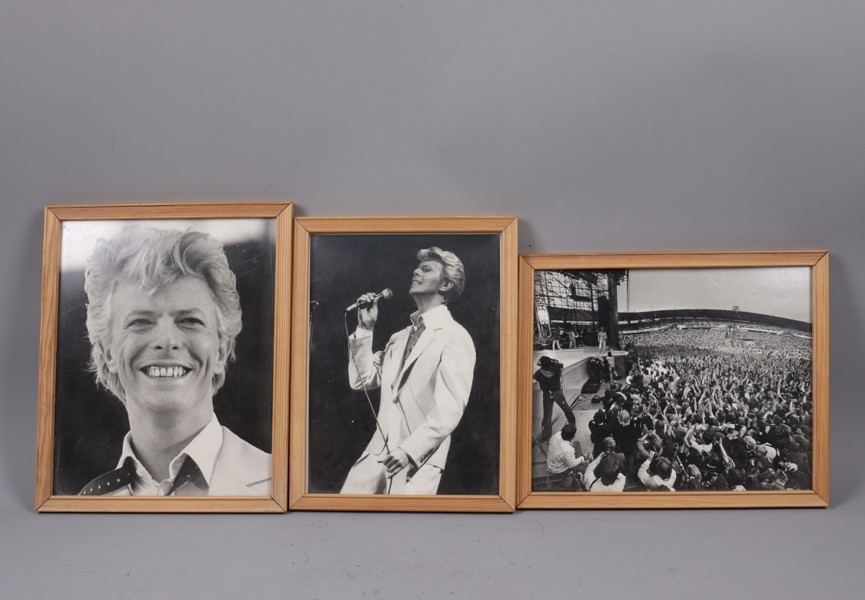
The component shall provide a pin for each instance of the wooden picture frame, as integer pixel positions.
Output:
(817, 262)
(379, 240)
(272, 222)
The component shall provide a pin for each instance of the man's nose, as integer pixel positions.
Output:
(165, 336)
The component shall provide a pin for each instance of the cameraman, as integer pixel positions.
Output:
(549, 377)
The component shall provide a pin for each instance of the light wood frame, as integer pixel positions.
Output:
(818, 496)
(46, 500)
(299, 496)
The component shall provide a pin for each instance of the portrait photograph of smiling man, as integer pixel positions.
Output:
(404, 364)
(165, 349)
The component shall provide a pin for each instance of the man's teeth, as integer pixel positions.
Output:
(166, 371)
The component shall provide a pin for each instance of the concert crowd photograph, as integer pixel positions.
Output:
(672, 380)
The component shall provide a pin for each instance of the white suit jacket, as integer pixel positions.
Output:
(422, 400)
(241, 469)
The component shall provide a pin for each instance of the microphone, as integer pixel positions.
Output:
(385, 294)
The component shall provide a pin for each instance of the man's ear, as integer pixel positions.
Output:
(446, 286)
(222, 356)
(110, 359)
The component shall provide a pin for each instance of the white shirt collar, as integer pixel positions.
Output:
(433, 318)
(203, 449)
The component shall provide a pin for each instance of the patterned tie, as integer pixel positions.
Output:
(413, 337)
(188, 473)
(125, 475)
(111, 481)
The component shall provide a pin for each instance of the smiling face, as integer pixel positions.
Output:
(164, 347)
(429, 279)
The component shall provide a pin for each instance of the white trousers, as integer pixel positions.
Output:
(368, 476)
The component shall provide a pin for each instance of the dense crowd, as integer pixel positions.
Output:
(696, 413)
(738, 338)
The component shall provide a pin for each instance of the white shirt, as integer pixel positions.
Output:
(561, 455)
(203, 449)
(596, 485)
(653, 482)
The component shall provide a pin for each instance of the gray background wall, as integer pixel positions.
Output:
(603, 125)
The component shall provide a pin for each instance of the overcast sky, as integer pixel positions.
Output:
(781, 292)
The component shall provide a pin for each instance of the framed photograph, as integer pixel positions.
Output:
(403, 363)
(163, 363)
(673, 380)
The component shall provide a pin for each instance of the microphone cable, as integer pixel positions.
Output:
(368, 399)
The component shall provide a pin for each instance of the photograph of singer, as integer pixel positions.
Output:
(343, 268)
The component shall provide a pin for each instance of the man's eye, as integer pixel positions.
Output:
(138, 323)
(192, 321)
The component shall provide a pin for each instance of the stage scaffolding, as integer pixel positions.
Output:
(579, 301)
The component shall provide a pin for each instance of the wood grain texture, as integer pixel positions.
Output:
(508, 372)
(817, 260)
(166, 210)
(406, 224)
(47, 357)
(282, 356)
(820, 375)
(297, 469)
(364, 503)
(587, 500)
(525, 341)
(675, 260)
(170, 504)
(299, 497)
(45, 500)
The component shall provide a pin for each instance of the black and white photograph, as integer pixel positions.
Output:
(404, 364)
(165, 358)
(672, 380)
